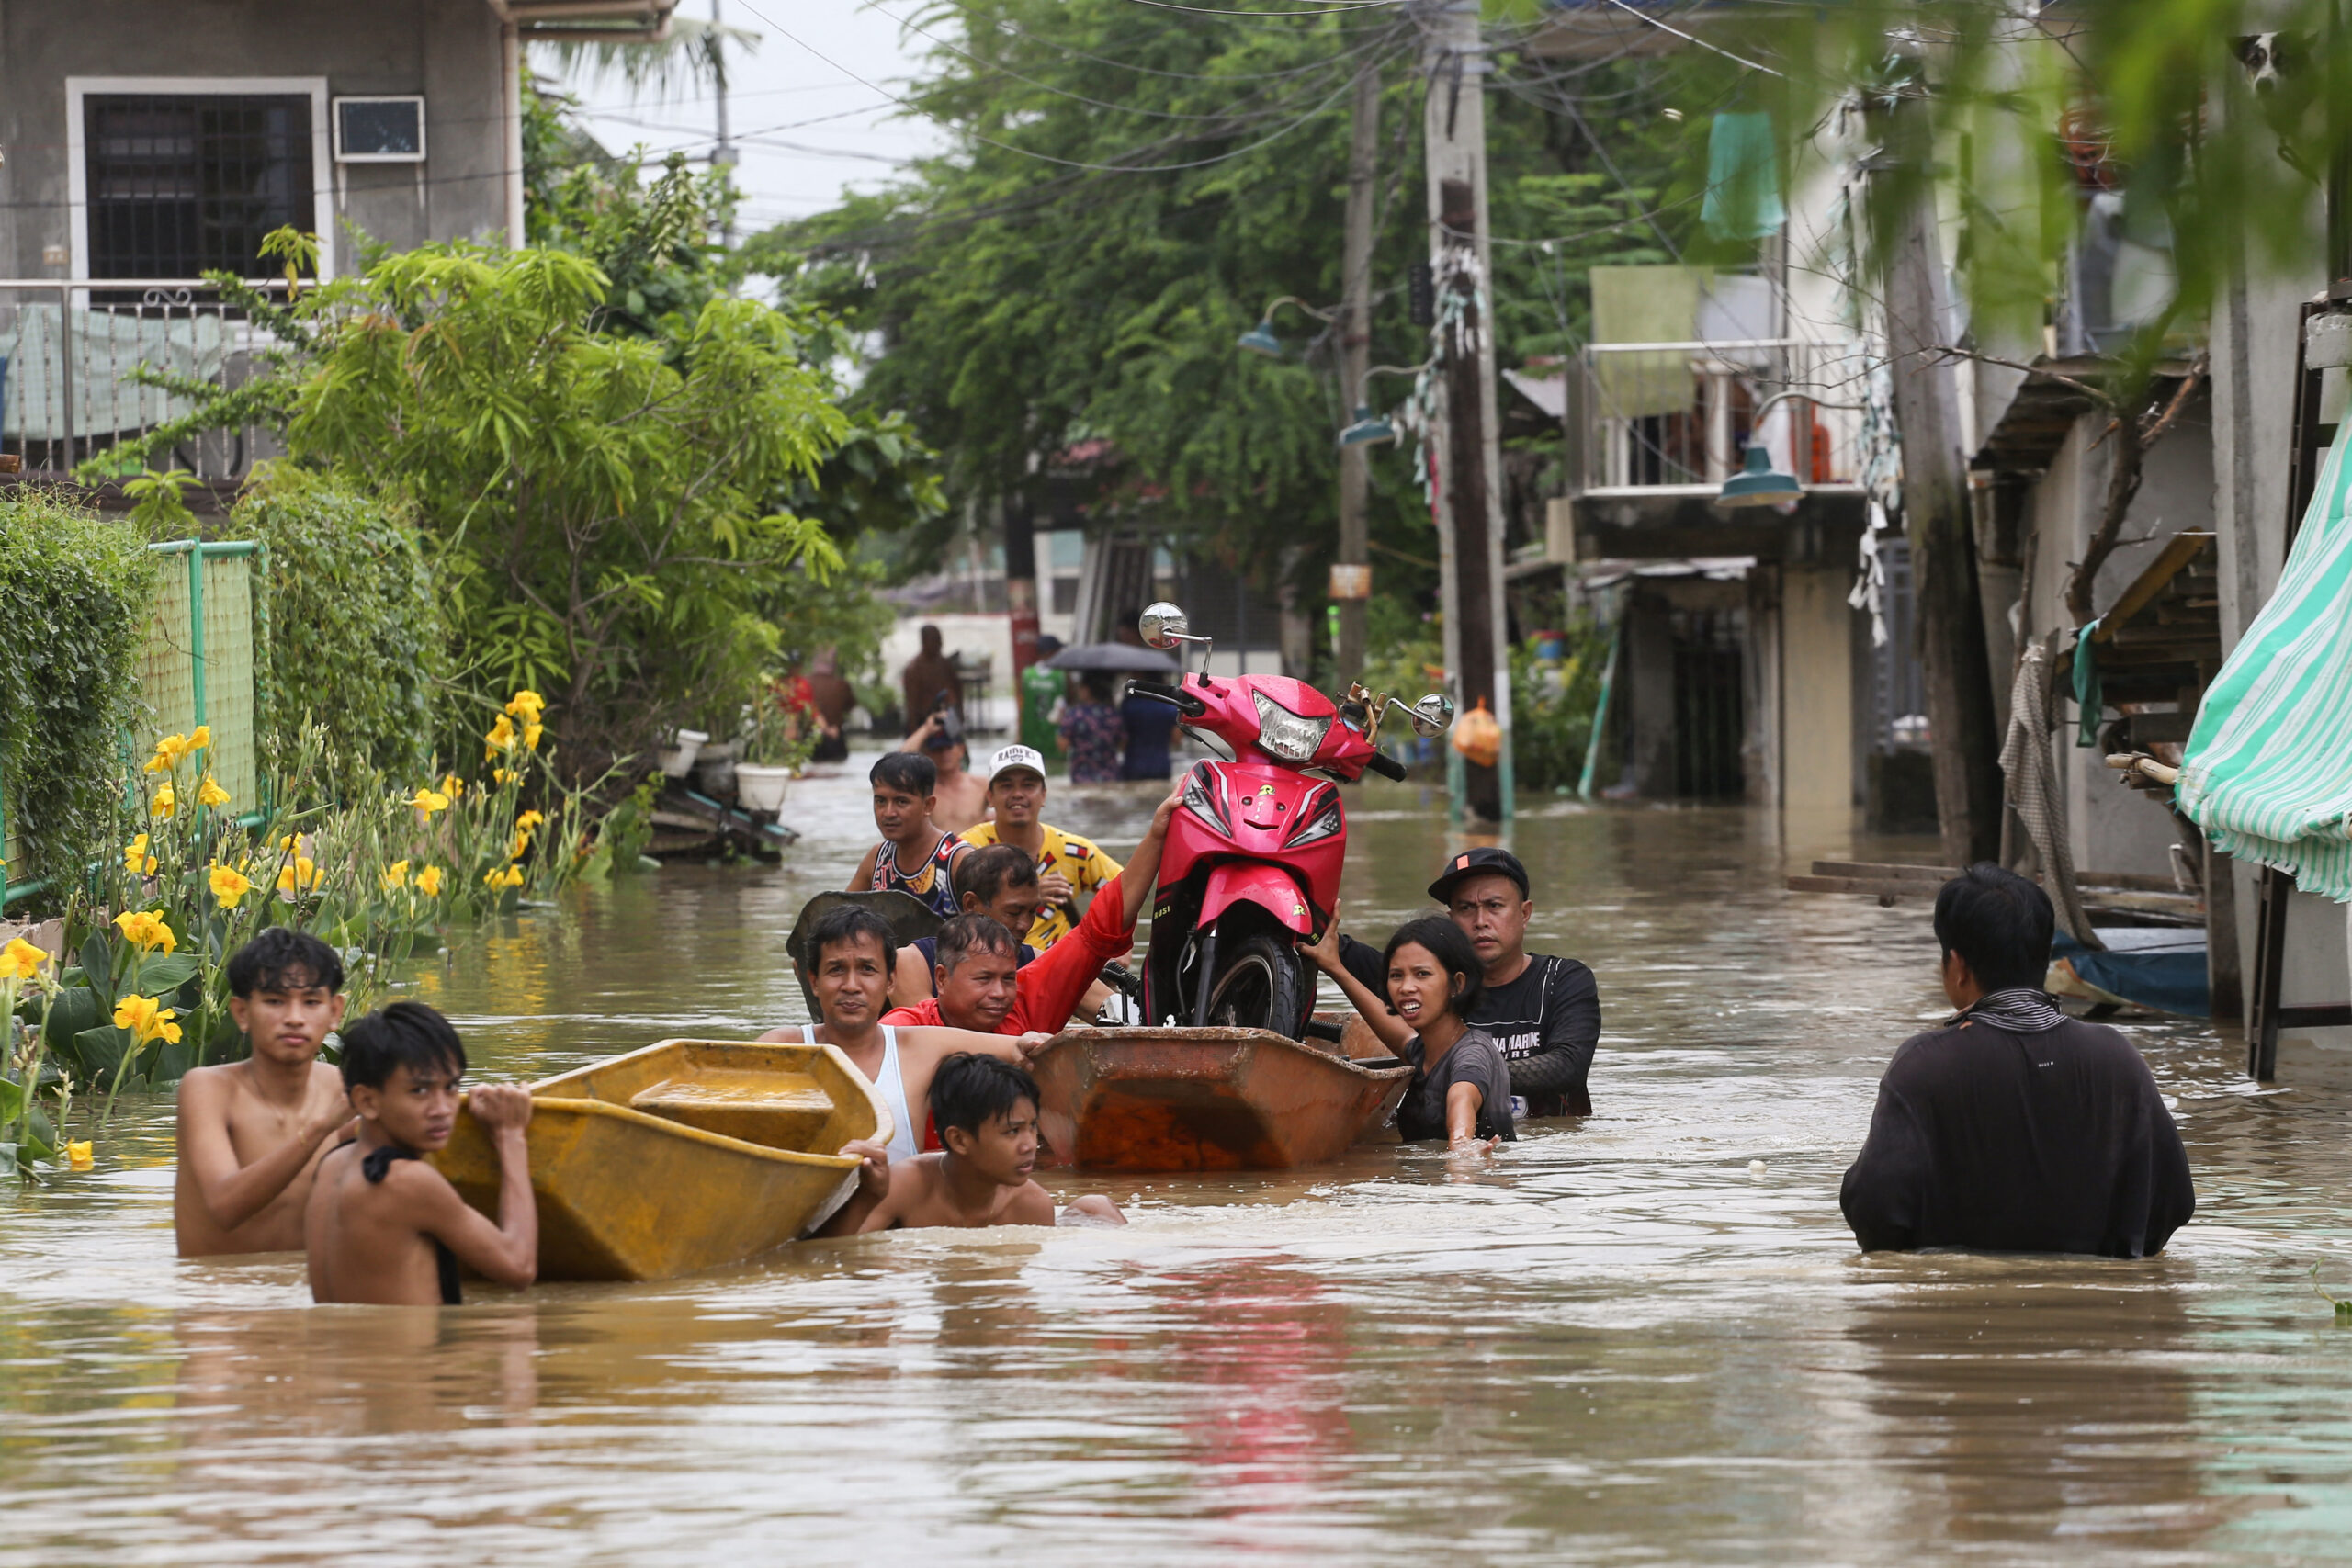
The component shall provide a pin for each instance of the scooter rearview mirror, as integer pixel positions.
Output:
(1163, 625)
(1433, 716)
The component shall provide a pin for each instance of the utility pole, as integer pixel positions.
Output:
(722, 152)
(1936, 514)
(1469, 509)
(1352, 583)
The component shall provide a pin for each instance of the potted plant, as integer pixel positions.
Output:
(777, 741)
(677, 758)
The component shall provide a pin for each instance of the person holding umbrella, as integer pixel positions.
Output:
(1092, 733)
(1095, 731)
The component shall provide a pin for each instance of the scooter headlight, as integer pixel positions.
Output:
(1322, 825)
(1285, 734)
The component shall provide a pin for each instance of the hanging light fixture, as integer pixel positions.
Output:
(1367, 429)
(1758, 483)
(1260, 339)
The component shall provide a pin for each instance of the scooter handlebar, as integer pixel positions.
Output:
(1182, 701)
(1386, 766)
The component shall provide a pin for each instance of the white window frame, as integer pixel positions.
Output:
(335, 107)
(78, 167)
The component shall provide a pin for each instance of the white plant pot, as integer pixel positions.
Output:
(677, 759)
(761, 788)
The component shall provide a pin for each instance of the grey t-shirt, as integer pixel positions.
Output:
(1474, 1059)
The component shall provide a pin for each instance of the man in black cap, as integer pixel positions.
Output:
(1543, 1011)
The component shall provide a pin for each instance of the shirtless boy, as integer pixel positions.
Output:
(852, 953)
(383, 1225)
(987, 1114)
(251, 1131)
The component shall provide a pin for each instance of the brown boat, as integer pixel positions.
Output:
(1141, 1100)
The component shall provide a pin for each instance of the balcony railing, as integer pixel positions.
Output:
(1651, 417)
(69, 350)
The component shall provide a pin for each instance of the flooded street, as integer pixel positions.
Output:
(1611, 1343)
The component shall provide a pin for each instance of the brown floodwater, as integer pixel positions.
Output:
(1611, 1343)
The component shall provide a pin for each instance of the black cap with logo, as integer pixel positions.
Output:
(1484, 861)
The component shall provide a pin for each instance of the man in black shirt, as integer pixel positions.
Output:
(1544, 1012)
(2015, 1128)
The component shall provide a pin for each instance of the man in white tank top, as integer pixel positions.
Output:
(850, 960)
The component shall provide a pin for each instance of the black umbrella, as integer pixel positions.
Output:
(1123, 657)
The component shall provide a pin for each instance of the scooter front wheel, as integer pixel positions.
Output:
(1261, 983)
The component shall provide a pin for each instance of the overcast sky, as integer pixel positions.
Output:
(806, 127)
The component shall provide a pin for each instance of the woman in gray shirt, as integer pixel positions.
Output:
(1461, 1089)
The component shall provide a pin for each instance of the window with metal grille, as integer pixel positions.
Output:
(182, 184)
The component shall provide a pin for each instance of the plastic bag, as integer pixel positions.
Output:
(1478, 738)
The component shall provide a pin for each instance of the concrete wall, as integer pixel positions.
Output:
(447, 50)
(2111, 829)
(1817, 689)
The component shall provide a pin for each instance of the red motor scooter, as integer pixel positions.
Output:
(1252, 860)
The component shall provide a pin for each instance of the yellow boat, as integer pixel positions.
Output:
(682, 1156)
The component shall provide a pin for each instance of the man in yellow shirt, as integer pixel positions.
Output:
(1066, 863)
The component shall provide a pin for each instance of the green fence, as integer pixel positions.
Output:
(200, 664)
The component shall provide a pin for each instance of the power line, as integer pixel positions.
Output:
(1051, 158)
(1268, 15)
(1048, 87)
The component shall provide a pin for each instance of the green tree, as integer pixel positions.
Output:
(599, 499)
(1125, 190)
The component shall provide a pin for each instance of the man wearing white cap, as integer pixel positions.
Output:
(1066, 863)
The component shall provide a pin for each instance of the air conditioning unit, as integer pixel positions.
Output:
(380, 130)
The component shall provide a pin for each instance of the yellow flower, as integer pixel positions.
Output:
(502, 774)
(300, 874)
(452, 785)
(228, 885)
(288, 840)
(527, 707)
(394, 876)
(166, 802)
(500, 738)
(510, 877)
(147, 1021)
(135, 858)
(429, 801)
(428, 882)
(146, 929)
(522, 843)
(199, 738)
(530, 820)
(531, 733)
(20, 960)
(77, 1154)
(168, 752)
(210, 793)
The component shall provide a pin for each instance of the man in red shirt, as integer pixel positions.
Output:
(982, 985)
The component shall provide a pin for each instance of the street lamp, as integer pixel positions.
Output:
(1758, 483)
(1369, 427)
(1260, 339)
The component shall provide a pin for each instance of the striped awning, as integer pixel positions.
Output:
(2268, 770)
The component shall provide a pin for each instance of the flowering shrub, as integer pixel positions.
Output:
(142, 993)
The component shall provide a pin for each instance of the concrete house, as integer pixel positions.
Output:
(151, 140)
